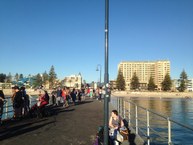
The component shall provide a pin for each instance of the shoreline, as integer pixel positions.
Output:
(153, 94)
(31, 92)
(8, 92)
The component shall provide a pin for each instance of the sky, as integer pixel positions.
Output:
(69, 34)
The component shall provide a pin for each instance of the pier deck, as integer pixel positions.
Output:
(76, 125)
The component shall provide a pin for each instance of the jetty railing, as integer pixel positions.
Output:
(8, 107)
(140, 119)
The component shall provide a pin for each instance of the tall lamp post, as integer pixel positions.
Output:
(97, 69)
(106, 78)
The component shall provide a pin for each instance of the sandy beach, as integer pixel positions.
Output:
(153, 94)
(8, 92)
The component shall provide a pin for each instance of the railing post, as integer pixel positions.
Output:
(148, 128)
(124, 109)
(6, 109)
(118, 104)
(169, 132)
(122, 106)
(30, 101)
(129, 114)
(136, 118)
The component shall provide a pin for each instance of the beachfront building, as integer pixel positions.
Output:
(73, 81)
(144, 70)
(176, 85)
(190, 85)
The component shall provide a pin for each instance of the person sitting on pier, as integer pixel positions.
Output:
(115, 123)
(43, 100)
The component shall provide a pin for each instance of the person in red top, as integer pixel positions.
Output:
(64, 97)
(43, 100)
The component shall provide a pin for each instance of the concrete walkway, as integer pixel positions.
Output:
(76, 125)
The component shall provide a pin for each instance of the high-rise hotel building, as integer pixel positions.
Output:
(144, 70)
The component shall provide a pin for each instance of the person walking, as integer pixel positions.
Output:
(79, 95)
(59, 96)
(73, 96)
(25, 98)
(64, 97)
(100, 93)
(53, 93)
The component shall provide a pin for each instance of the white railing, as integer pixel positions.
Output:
(130, 111)
(8, 107)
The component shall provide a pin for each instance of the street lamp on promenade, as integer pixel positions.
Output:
(97, 69)
(106, 78)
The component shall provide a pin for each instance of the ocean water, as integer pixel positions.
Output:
(8, 107)
(178, 109)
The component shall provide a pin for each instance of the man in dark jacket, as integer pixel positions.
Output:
(17, 103)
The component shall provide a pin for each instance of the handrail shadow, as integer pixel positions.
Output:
(22, 129)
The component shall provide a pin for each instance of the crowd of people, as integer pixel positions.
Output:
(64, 96)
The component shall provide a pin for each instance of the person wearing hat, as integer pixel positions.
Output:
(17, 103)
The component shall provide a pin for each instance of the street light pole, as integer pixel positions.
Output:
(100, 72)
(106, 78)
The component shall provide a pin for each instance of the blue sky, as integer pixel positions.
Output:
(69, 34)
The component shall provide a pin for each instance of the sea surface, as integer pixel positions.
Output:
(178, 109)
(8, 107)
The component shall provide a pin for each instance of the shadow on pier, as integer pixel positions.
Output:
(75, 125)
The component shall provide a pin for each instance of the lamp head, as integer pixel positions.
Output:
(97, 69)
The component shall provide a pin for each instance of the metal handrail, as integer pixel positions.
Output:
(163, 116)
(5, 107)
(122, 109)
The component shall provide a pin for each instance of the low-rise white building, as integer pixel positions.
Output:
(190, 85)
(73, 81)
(176, 84)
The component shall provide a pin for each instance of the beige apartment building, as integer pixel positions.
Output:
(143, 70)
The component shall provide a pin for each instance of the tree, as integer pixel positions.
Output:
(167, 83)
(45, 77)
(2, 77)
(52, 76)
(20, 76)
(120, 81)
(183, 81)
(151, 84)
(134, 82)
(16, 77)
(9, 78)
(37, 80)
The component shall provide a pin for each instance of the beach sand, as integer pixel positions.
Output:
(153, 94)
(8, 92)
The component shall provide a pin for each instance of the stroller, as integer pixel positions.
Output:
(41, 108)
